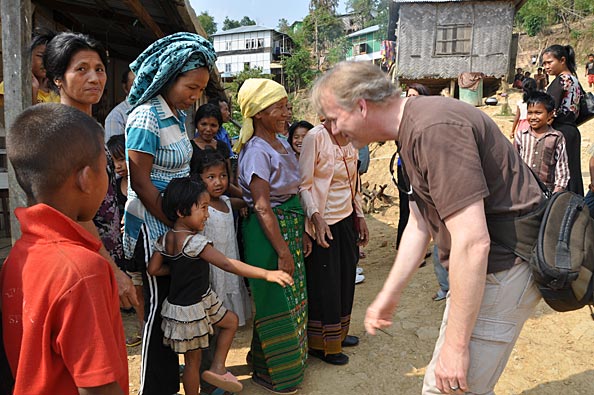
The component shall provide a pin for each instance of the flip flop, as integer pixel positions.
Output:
(226, 381)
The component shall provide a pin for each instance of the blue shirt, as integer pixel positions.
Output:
(154, 129)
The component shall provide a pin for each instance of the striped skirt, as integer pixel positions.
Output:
(279, 343)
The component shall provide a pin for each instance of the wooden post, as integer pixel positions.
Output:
(16, 36)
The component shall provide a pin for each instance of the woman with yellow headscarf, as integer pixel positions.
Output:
(273, 236)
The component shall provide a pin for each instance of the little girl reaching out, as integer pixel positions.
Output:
(192, 308)
(220, 229)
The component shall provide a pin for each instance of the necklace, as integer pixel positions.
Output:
(182, 231)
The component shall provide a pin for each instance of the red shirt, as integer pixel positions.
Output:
(60, 308)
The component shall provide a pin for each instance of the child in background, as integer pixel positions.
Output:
(297, 132)
(542, 80)
(117, 148)
(208, 120)
(520, 122)
(192, 308)
(541, 146)
(590, 71)
(220, 229)
(68, 337)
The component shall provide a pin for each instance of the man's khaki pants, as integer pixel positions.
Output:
(509, 300)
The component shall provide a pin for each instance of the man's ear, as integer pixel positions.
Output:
(83, 180)
(362, 106)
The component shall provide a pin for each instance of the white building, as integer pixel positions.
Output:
(248, 47)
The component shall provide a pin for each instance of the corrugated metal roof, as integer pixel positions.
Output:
(243, 29)
(361, 32)
(517, 3)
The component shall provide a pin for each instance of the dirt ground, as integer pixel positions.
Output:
(552, 356)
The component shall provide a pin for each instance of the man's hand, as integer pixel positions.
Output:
(379, 314)
(451, 368)
(307, 247)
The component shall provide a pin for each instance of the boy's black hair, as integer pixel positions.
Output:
(50, 141)
(591, 54)
(117, 146)
(209, 158)
(536, 97)
(208, 110)
(41, 36)
(180, 195)
(294, 126)
(62, 48)
(563, 51)
(528, 86)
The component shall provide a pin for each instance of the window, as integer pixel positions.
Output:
(453, 40)
(228, 46)
(227, 67)
(360, 49)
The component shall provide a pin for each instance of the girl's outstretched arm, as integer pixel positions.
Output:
(215, 257)
(156, 266)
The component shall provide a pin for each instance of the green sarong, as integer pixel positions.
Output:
(279, 342)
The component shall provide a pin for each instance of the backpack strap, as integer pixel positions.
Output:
(562, 251)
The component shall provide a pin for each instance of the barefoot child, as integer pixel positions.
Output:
(541, 146)
(192, 308)
(60, 307)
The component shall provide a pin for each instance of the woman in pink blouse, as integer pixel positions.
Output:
(334, 219)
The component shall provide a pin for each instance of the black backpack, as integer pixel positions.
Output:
(563, 257)
(557, 240)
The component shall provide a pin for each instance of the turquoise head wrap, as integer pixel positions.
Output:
(164, 59)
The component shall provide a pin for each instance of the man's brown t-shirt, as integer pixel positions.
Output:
(454, 155)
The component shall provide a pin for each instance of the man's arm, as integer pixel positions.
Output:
(412, 250)
(467, 271)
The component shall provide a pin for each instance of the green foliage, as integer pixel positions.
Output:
(320, 29)
(247, 21)
(283, 26)
(298, 69)
(536, 14)
(229, 24)
(240, 78)
(339, 49)
(208, 23)
(576, 34)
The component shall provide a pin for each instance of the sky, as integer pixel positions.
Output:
(264, 12)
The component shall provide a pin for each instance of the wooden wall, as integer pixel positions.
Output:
(491, 22)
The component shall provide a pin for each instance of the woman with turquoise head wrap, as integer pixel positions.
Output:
(171, 75)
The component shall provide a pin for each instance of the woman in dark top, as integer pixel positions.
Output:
(559, 61)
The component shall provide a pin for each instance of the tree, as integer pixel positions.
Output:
(283, 26)
(298, 68)
(320, 28)
(370, 12)
(208, 23)
(229, 24)
(247, 21)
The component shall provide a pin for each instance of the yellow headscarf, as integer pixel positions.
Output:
(255, 95)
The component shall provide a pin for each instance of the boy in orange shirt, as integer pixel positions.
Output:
(61, 322)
